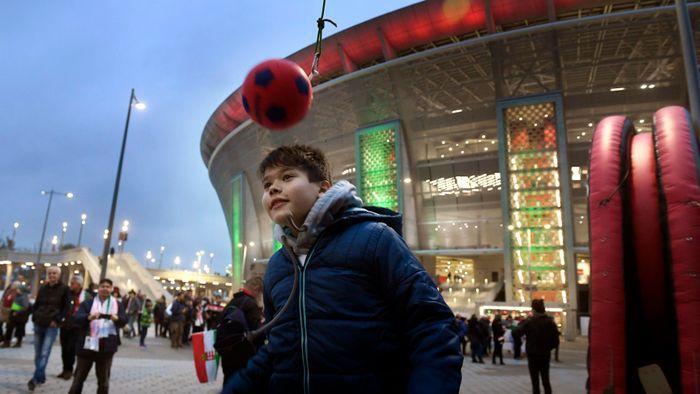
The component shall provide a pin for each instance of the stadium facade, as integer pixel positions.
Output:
(474, 120)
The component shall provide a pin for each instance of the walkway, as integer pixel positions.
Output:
(164, 370)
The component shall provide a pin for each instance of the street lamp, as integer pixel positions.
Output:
(160, 261)
(15, 226)
(54, 242)
(211, 258)
(64, 228)
(83, 217)
(69, 195)
(124, 234)
(133, 102)
(149, 256)
(177, 261)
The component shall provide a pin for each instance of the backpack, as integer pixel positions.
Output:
(231, 341)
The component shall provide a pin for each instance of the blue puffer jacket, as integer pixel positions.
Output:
(367, 318)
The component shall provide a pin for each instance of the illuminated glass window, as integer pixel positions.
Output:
(535, 203)
(378, 165)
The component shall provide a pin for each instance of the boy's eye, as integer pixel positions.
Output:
(287, 177)
(266, 185)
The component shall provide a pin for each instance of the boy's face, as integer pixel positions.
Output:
(289, 191)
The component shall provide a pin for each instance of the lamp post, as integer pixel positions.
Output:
(83, 217)
(123, 235)
(133, 101)
(35, 280)
(15, 226)
(177, 262)
(64, 228)
(149, 256)
(160, 261)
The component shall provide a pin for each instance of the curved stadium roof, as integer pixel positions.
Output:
(421, 26)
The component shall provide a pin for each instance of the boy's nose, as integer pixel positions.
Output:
(274, 189)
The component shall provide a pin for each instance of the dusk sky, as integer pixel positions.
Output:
(66, 71)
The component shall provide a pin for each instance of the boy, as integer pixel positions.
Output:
(145, 322)
(366, 317)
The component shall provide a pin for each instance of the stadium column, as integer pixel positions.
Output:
(378, 158)
(236, 230)
(536, 203)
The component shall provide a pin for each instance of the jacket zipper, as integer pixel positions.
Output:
(302, 322)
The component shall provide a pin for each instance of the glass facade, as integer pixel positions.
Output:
(421, 134)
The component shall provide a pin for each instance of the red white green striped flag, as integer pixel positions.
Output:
(206, 360)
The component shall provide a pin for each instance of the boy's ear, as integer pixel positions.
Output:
(325, 185)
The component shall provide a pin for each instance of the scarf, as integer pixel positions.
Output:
(339, 198)
(79, 300)
(100, 328)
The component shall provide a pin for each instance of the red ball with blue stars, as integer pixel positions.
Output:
(277, 94)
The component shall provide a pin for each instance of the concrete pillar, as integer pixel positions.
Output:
(8, 275)
(86, 278)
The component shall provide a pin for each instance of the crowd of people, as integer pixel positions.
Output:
(91, 324)
(488, 337)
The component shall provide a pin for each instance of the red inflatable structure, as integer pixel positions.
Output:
(609, 164)
(644, 206)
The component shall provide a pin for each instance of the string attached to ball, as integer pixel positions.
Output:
(277, 93)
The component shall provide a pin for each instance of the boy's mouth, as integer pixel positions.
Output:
(276, 203)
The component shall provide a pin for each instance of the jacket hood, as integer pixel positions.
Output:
(340, 204)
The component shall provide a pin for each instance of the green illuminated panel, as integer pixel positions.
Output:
(236, 220)
(378, 165)
(537, 218)
(531, 161)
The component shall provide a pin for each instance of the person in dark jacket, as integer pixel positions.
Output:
(159, 317)
(498, 338)
(462, 332)
(177, 321)
(517, 340)
(542, 336)
(69, 331)
(247, 301)
(50, 308)
(485, 325)
(98, 320)
(476, 338)
(366, 316)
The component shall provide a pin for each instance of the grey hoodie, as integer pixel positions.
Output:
(338, 199)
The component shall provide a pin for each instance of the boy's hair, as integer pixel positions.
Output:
(107, 280)
(303, 157)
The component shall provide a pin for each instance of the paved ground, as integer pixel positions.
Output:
(567, 376)
(160, 369)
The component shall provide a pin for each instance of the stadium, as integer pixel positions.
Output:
(474, 120)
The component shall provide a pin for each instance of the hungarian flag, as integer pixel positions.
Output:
(206, 360)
